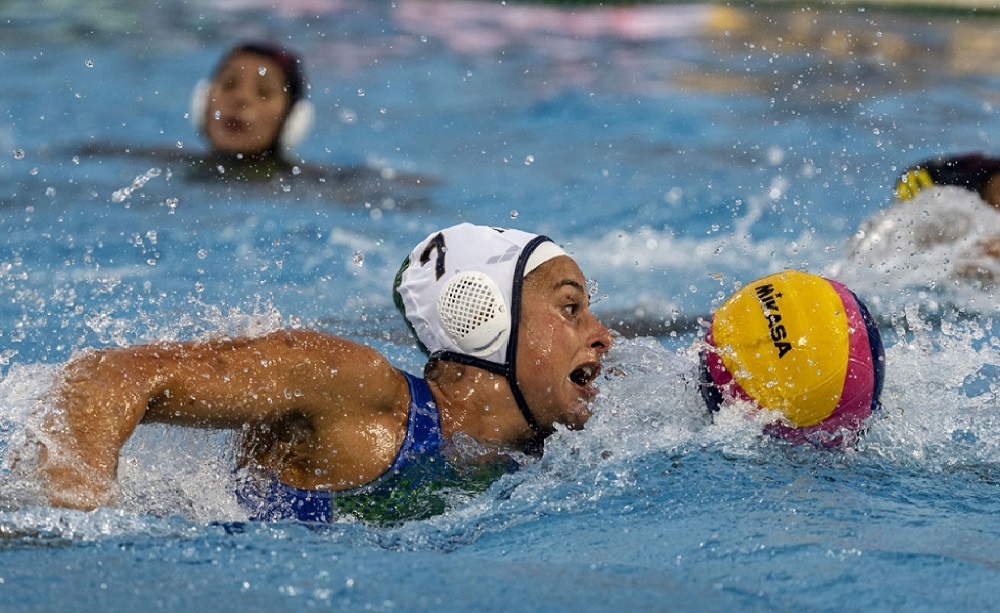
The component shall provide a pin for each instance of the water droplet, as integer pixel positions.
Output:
(513, 214)
(123, 193)
(19, 154)
(88, 63)
(359, 258)
(528, 161)
(50, 191)
(262, 71)
(361, 93)
(202, 254)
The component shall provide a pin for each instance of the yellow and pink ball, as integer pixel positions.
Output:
(800, 345)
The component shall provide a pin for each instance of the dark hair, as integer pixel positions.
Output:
(972, 170)
(291, 65)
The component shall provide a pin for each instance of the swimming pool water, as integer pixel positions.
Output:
(677, 151)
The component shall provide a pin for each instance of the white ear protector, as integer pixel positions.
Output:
(474, 314)
(199, 103)
(297, 124)
(295, 129)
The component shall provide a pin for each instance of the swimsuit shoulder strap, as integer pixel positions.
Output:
(423, 428)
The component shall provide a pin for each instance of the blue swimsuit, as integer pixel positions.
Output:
(418, 460)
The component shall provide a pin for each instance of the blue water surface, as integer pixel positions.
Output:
(678, 151)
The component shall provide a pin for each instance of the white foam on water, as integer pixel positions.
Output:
(931, 249)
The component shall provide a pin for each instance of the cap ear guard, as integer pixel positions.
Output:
(912, 182)
(199, 103)
(473, 313)
(297, 124)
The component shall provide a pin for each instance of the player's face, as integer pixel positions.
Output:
(560, 345)
(247, 104)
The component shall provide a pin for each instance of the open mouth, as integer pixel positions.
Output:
(584, 376)
(234, 124)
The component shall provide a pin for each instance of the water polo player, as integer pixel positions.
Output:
(255, 102)
(973, 171)
(513, 349)
(942, 227)
(252, 112)
(253, 109)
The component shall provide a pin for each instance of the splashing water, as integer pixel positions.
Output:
(123, 194)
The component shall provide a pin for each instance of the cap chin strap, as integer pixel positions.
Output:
(500, 369)
(508, 369)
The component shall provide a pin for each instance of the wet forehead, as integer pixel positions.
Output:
(556, 274)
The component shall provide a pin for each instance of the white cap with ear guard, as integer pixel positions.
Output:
(460, 290)
(460, 293)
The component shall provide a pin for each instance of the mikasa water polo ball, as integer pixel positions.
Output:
(801, 345)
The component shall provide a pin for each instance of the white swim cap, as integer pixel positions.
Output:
(460, 292)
